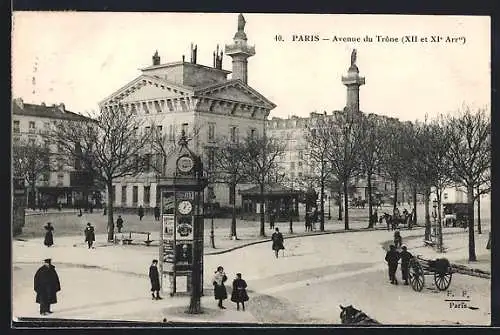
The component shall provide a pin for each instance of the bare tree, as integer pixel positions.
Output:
(483, 188)
(30, 160)
(110, 145)
(470, 157)
(431, 167)
(317, 136)
(260, 162)
(371, 153)
(229, 167)
(345, 133)
(395, 152)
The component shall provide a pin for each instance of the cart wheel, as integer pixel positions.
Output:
(442, 280)
(416, 274)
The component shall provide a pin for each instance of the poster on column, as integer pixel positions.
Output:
(168, 225)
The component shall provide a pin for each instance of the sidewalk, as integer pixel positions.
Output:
(247, 234)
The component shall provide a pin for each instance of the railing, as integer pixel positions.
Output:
(242, 47)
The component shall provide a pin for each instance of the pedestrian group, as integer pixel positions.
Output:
(392, 258)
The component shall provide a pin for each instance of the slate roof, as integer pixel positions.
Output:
(52, 112)
(270, 189)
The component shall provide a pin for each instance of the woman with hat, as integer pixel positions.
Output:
(218, 281)
(49, 236)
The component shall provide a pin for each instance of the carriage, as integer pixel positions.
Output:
(439, 268)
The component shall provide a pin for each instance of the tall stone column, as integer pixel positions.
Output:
(239, 51)
(353, 81)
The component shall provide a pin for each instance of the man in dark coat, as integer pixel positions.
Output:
(46, 285)
(157, 213)
(89, 235)
(405, 263)
(277, 239)
(392, 258)
(119, 223)
(272, 219)
(154, 277)
(140, 212)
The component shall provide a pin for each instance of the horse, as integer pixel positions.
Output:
(353, 316)
(388, 220)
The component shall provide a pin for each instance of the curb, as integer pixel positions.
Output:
(297, 236)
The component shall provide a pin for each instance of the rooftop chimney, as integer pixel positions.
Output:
(42, 104)
(156, 58)
(193, 53)
(62, 108)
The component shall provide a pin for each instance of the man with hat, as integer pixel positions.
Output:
(405, 263)
(89, 235)
(154, 277)
(392, 258)
(46, 284)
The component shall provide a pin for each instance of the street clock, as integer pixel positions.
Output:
(185, 164)
(185, 207)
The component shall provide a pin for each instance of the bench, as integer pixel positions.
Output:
(429, 243)
(128, 240)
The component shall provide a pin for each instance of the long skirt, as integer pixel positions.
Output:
(49, 239)
(220, 292)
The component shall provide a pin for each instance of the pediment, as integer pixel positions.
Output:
(147, 88)
(238, 92)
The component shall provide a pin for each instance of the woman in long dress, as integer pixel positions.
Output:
(218, 281)
(239, 293)
(49, 236)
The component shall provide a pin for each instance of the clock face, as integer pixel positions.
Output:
(185, 207)
(185, 164)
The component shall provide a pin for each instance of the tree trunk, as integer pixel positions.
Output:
(346, 207)
(395, 196)
(427, 214)
(479, 212)
(340, 206)
(262, 216)
(370, 207)
(322, 219)
(470, 206)
(111, 230)
(232, 233)
(414, 217)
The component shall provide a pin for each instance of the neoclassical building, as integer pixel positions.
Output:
(199, 99)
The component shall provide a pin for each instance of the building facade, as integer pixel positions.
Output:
(197, 99)
(30, 124)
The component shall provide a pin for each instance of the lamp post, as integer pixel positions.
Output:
(437, 233)
(291, 212)
(329, 197)
(211, 197)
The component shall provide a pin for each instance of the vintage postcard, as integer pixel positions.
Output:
(243, 168)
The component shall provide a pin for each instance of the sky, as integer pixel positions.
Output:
(81, 58)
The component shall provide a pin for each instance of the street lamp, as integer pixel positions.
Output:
(437, 227)
(329, 197)
(211, 198)
(434, 216)
(291, 211)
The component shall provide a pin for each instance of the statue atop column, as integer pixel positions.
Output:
(353, 57)
(241, 23)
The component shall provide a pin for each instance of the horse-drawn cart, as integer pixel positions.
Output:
(439, 268)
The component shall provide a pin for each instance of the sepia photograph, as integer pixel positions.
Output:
(225, 169)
